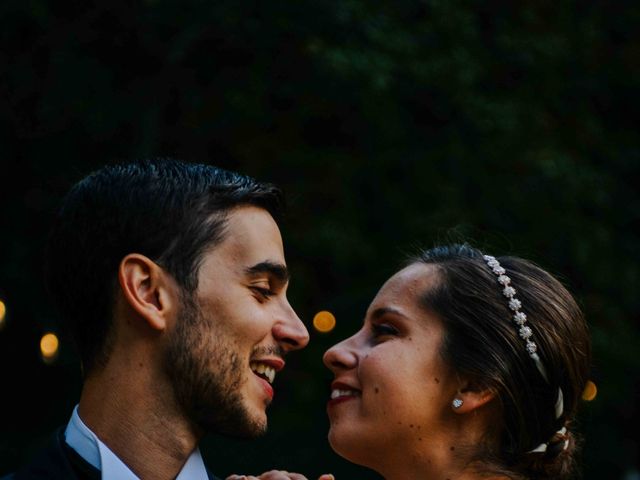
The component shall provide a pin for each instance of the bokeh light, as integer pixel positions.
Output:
(590, 391)
(49, 346)
(324, 321)
(3, 313)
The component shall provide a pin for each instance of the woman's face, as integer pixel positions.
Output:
(392, 389)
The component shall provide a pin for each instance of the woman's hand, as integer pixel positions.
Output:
(278, 475)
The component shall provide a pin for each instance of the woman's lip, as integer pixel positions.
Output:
(335, 401)
(336, 385)
(350, 391)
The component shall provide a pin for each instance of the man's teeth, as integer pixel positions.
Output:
(263, 369)
(335, 393)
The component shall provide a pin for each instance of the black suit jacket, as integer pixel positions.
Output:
(58, 461)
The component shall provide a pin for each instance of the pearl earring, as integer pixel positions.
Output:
(457, 403)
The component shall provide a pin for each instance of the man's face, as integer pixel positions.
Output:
(234, 331)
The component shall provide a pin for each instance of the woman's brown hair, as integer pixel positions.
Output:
(482, 342)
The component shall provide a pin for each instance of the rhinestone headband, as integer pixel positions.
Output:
(525, 332)
(519, 317)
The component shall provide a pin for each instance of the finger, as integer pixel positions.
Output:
(281, 475)
(273, 475)
(327, 476)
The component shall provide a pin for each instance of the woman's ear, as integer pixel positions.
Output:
(471, 396)
(148, 290)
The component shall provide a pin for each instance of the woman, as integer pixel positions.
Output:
(466, 367)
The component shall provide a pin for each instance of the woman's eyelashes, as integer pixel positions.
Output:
(383, 330)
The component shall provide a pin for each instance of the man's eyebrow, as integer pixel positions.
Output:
(382, 311)
(278, 270)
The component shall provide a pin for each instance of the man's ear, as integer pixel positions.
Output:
(148, 290)
(473, 395)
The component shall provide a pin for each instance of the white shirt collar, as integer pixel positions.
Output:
(88, 445)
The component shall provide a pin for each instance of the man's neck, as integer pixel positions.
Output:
(139, 422)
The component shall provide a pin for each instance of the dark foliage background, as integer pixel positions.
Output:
(389, 126)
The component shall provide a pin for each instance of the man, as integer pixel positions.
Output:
(172, 280)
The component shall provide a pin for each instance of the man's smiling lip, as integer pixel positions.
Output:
(268, 389)
(265, 369)
(274, 362)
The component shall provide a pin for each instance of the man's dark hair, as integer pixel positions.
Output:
(168, 210)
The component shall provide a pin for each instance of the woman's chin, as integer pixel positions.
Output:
(349, 447)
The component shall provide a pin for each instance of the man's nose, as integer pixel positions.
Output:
(289, 330)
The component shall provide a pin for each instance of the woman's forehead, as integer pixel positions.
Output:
(407, 286)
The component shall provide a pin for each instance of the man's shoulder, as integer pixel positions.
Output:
(54, 461)
(50, 462)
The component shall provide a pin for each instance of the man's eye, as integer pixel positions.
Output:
(265, 293)
(384, 329)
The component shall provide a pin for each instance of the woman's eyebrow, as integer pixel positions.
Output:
(382, 311)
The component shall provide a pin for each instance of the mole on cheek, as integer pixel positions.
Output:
(452, 448)
(437, 380)
(376, 390)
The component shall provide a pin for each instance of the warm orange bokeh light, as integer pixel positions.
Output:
(324, 321)
(49, 346)
(3, 312)
(590, 391)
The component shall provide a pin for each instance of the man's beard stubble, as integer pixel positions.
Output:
(206, 378)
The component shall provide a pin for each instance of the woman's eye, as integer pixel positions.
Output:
(384, 329)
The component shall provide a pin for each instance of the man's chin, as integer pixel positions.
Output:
(243, 426)
(246, 432)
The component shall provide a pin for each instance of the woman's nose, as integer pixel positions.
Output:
(342, 356)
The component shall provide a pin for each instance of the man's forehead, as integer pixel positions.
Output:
(249, 219)
(252, 238)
